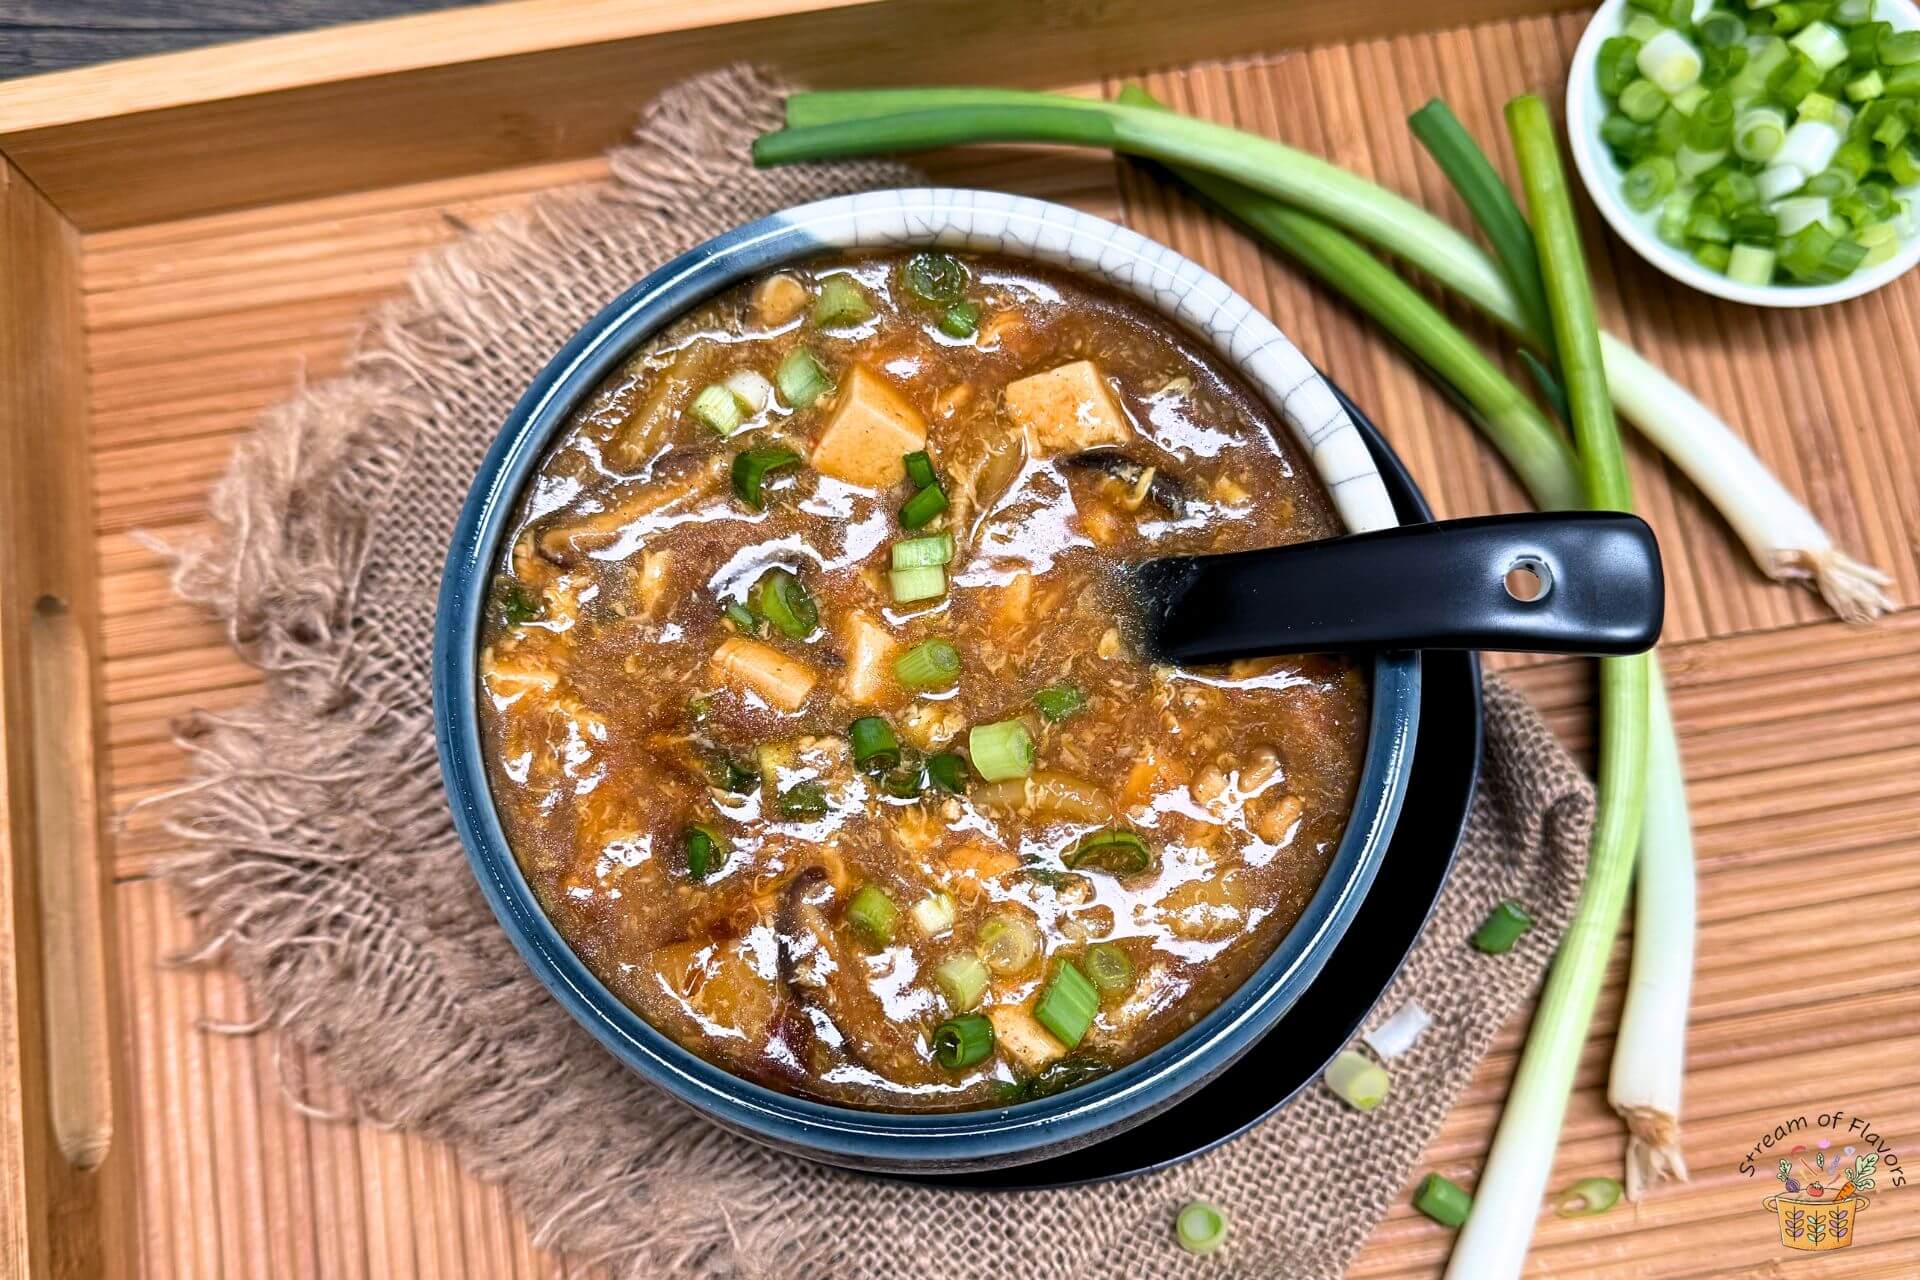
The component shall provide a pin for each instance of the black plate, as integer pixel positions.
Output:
(1293, 1054)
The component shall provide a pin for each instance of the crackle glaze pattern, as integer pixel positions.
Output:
(993, 221)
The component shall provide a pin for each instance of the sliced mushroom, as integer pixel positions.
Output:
(677, 476)
(1140, 479)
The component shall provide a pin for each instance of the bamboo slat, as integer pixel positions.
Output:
(1801, 736)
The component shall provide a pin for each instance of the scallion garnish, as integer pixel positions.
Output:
(1358, 1080)
(920, 472)
(1117, 852)
(934, 914)
(1502, 928)
(751, 468)
(1001, 751)
(931, 664)
(923, 506)
(934, 277)
(875, 749)
(1200, 1227)
(842, 303)
(1058, 701)
(1008, 942)
(913, 553)
(740, 616)
(517, 607)
(872, 912)
(962, 320)
(783, 600)
(1109, 966)
(801, 378)
(706, 851)
(905, 780)
(926, 582)
(960, 1042)
(1446, 1202)
(1067, 1005)
(718, 409)
(948, 771)
(801, 800)
(724, 773)
(962, 979)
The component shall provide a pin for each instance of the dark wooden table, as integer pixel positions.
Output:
(49, 35)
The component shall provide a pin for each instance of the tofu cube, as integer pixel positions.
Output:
(871, 430)
(1021, 1036)
(1067, 409)
(869, 647)
(749, 664)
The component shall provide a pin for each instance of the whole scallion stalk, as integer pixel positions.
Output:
(1532, 447)
(1493, 1243)
(1782, 535)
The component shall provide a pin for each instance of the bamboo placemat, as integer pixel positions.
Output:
(1801, 735)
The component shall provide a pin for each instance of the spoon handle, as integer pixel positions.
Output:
(1443, 585)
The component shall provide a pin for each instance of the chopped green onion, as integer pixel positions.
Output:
(934, 914)
(1816, 106)
(1720, 29)
(1446, 1202)
(801, 800)
(801, 378)
(1712, 256)
(1118, 852)
(933, 276)
(875, 749)
(960, 1042)
(1067, 1005)
(740, 616)
(718, 409)
(517, 607)
(1358, 1080)
(931, 664)
(1109, 966)
(724, 773)
(1008, 942)
(1825, 47)
(962, 320)
(842, 303)
(1758, 133)
(1201, 1228)
(1866, 87)
(1750, 264)
(962, 979)
(872, 912)
(1648, 182)
(920, 473)
(1058, 701)
(706, 851)
(1642, 101)
(1001, 751)
(1688, 101)
(1502, 928)
(1669, 60)
(1588, 1197)
(783, 600)
(750, 470)
(907, 779)
(914, 553)
(750, 389)
(1898, 48)
(923, 506)
(928, 582)
(948, 771)
(1613, 66)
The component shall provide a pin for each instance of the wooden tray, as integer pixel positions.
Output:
(187, 237)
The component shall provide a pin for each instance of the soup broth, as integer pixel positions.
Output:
(814, 709)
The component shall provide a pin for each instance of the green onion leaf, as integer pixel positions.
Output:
(1058, 701)
(935, 277)
(920, 473)
(923, 506)
(706, 851)
(1001, 751)
(801, 800)
(931, 664)
(948, 771)
(1358, 1080)
(842, 303)
(1118, 852)
(740, 616)
(875, 749)
(751, 467)
(1502, 928)
(872, 912)
(1068, 1004)
(915, 553)
(783, 600)
(517, 607)
(962, 320)
(801, 378)
(1109, 966)
(724, 773)
(1446, 1202)
(960, 1042)
(1201, 1227)
(962, 979)
(928, 582)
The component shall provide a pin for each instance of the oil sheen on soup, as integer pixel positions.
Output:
(812, 699)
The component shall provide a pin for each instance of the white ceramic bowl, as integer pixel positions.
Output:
(1586, 108)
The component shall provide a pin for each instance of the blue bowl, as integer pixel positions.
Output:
(956, 1141)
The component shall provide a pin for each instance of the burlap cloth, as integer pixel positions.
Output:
(323, 865)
